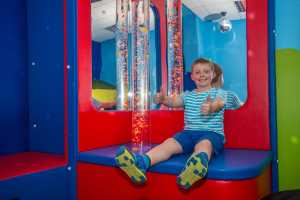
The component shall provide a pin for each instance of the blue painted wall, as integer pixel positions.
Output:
(108, 61)
(287, 24)
(13, 77)
(31, 78)
(107, 66)
(96, 60)
(202, 39)
(46, 75)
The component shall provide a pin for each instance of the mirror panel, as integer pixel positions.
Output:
(104, 90)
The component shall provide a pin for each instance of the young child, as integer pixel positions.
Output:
(203, 134)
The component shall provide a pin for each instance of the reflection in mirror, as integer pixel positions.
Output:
(104, 90)
(217, 31)
(174, 57)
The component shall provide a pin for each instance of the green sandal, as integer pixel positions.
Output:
(195, 170)
(127, 163)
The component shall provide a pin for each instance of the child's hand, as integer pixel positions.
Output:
(206, 107)
(210, 106)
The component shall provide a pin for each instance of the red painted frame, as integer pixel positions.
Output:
(115, 127)
(247, 127)
(28, 162)
(96, 182)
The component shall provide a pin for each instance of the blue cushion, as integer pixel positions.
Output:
(231, 164)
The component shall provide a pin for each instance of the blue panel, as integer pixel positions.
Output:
(13, 77)
(96, 60)
(156, 40)
(287, 24)
(192, 42)
(46, 185)
(46, 75)
(202, 39)
(108, 60)
(155, 78)
(272, 95)
(229, 165)
(72, 60)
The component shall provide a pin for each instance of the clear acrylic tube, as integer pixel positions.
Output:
(122, 9)
(140, 75)
(175, 61)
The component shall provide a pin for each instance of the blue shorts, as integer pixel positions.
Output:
(188, 139)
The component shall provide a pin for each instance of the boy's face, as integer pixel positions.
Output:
(202, 75)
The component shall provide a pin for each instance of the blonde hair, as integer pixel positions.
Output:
(203, 61)
(217, 80)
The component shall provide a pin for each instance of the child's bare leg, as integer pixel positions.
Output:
(197, 164)
(135, 165)
(164, 151)
(204, 146)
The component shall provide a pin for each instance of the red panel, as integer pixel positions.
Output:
(164, 124)
(247, 127)
(100, 182)
(98, 129)
(28, 162)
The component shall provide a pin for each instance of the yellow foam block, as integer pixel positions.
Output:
(104, 95)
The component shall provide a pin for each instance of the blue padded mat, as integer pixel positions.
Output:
(231, 164)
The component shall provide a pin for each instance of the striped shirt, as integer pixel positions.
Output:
(195, 120)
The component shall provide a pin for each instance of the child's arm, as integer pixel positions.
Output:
(173, 102)
(210, 106)
(233, 102)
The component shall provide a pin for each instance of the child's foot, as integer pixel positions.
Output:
(195, 169)
(127, 162)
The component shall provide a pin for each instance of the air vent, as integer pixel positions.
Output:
(93, 1)
(240, 6)
(215, 16)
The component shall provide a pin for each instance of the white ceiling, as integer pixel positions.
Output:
(203, 8)
(104, 14)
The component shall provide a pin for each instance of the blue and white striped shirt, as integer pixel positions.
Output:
(195, 120)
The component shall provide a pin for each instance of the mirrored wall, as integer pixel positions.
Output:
(216, 30)
(104, 91)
